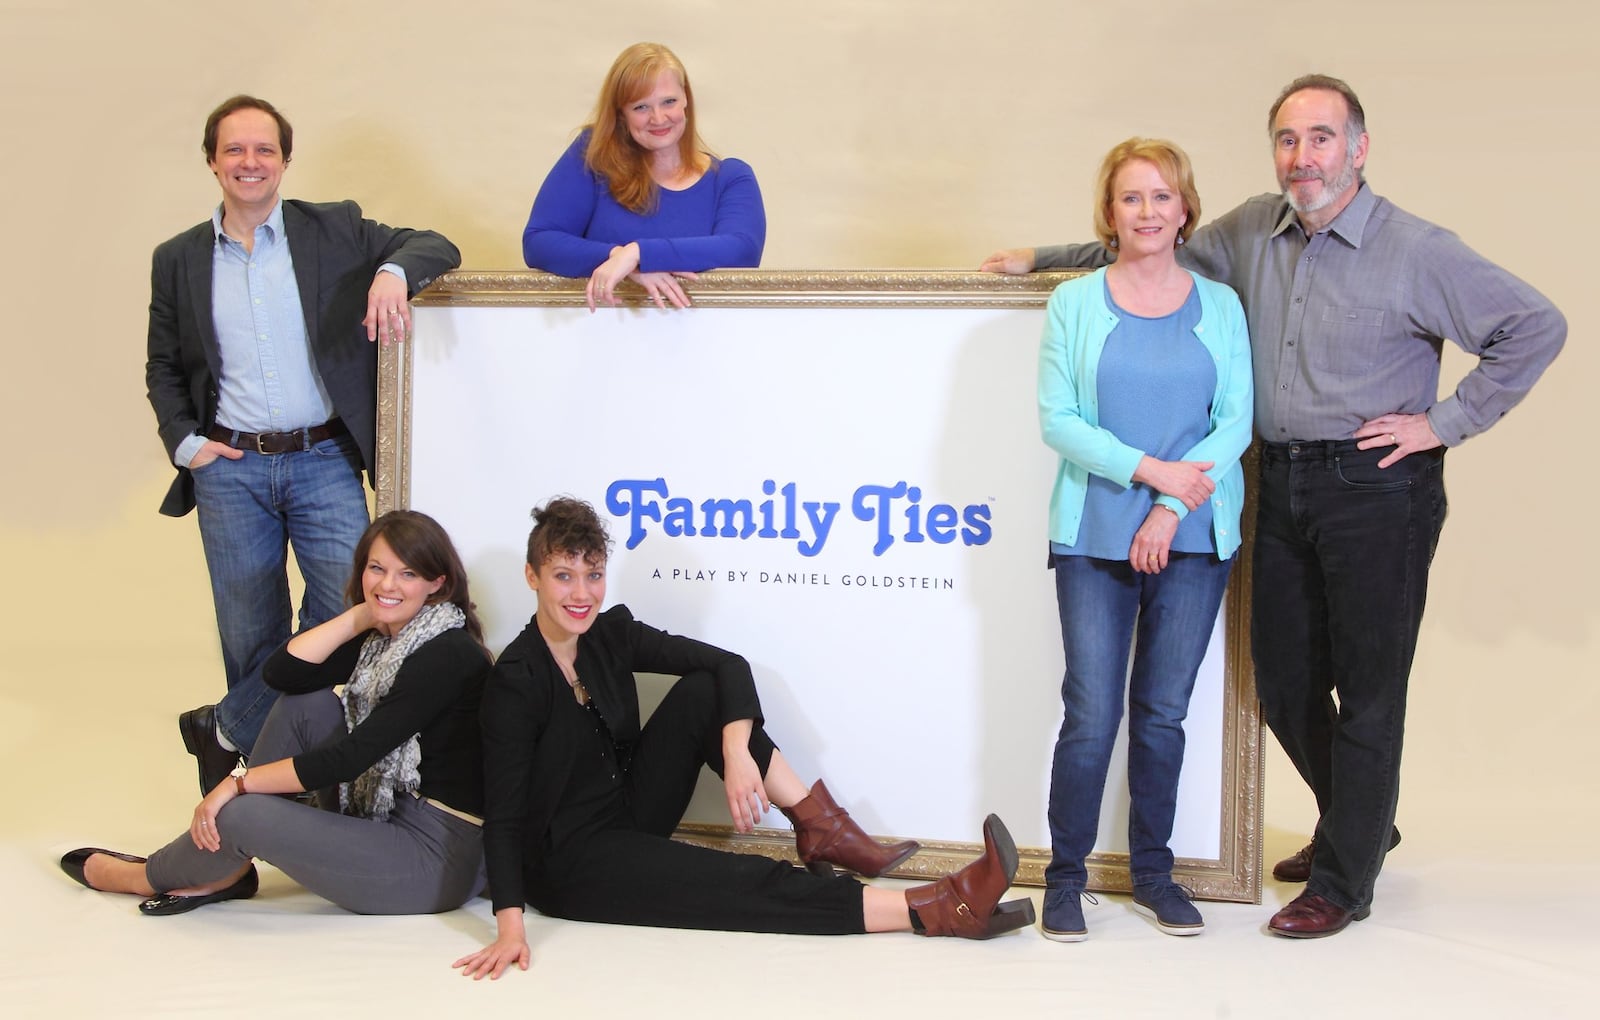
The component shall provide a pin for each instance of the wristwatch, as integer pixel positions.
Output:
(239, 772)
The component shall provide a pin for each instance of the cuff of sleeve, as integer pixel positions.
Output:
(1122, 463)
(651, 253)
(1450, 423)
(391, 267)
(187, 449)
(1174, 505)
(1047, 256)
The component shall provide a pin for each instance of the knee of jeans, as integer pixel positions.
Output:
(1157, 712)
(1096, 728)
(1091, 708)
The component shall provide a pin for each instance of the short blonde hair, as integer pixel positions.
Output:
(1169, 160)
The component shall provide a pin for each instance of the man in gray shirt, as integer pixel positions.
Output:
(1349, 301)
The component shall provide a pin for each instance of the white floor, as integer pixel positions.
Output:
(1471, 918)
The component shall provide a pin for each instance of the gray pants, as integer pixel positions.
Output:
(419, 861)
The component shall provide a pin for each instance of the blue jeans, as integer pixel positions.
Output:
(1342, 552)
(251, 510)
(1101, 602)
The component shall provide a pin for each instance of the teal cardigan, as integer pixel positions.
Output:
(1077, 322)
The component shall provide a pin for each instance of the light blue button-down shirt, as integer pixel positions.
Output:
(269, 380)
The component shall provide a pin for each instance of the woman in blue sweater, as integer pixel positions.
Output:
(638, 197)
(1145, 395)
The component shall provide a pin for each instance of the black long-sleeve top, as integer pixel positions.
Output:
(529, 753)
(436, 694)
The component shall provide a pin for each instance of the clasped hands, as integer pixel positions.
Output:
(624, 265)
(1185, 481)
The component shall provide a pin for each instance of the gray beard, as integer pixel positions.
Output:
(1330, 191)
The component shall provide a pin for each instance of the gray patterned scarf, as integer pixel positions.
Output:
(372, 793)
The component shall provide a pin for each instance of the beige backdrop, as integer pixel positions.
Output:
(885, 133)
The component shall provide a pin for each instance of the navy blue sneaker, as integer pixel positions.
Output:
(1168, 904)
(1063, 915)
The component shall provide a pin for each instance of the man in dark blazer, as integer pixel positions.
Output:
(262, 371)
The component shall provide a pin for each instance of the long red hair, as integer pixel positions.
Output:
(612, 152)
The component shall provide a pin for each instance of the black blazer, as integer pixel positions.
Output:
(335, 254)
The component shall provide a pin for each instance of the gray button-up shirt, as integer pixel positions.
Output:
(1347, 325)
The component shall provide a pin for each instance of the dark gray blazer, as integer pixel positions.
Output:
(335, 254)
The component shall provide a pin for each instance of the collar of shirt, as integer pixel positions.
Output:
(1351, 223)
(273, 224)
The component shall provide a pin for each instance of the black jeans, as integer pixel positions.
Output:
(1342, 553)
(626, 869)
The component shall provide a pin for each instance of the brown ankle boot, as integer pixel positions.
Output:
(824, 832)
(967, 904)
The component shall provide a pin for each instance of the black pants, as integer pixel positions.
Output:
(631, 872)
(1342, 554)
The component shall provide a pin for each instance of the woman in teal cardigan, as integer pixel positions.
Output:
(1145, 395)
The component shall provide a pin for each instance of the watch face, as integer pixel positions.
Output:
(238, 771)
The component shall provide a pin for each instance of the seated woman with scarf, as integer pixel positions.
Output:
(397, 758)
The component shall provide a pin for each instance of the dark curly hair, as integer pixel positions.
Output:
(567, 527)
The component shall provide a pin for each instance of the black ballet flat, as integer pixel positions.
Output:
(73, 860)
(167, 903)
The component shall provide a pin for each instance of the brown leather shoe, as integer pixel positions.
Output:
(825, 833)
(1297, 868)
(967, 904)
(1309, 916)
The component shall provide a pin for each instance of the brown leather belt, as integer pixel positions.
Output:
(278, 442)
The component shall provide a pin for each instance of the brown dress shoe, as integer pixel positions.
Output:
(967, 904)
(1297, 867)
(1309, 916)
(825, 833)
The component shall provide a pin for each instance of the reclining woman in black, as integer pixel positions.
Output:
(581, 800)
